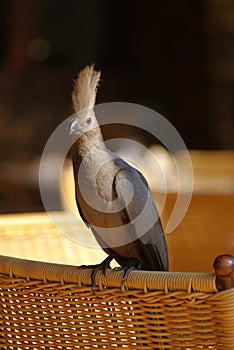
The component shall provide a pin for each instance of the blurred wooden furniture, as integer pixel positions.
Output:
(213, 171)
(34, 236)
(207, 230)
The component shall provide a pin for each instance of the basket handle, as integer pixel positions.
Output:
(224, 269)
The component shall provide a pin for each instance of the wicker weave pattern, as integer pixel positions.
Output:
(50, 306)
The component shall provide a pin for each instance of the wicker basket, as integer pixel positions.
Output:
(51, 306)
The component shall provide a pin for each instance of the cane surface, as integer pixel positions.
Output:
(52, 306)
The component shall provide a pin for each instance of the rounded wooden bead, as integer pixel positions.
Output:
(224, 269)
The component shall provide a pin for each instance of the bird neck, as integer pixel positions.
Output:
(85, 142)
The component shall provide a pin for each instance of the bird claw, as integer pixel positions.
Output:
(126, 270)
(104, 265)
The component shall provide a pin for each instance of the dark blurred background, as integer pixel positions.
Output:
(175, 57)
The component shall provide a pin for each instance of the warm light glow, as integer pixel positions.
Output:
(38, 49)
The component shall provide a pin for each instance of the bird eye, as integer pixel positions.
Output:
(88, 120)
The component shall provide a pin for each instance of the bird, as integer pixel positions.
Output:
(112, 197)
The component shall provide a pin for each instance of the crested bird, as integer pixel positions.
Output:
(113, 198)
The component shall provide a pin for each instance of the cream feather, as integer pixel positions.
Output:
(85, 88)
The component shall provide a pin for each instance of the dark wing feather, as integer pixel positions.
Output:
(149, 246)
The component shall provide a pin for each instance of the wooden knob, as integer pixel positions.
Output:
(224, 269)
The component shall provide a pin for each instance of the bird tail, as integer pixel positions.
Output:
(85, 88)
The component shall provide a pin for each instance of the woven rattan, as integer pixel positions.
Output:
(52, 306)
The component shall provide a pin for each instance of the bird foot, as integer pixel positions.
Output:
(104, 265)
(126, 270)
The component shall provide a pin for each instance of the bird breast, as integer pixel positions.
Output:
(95, 176)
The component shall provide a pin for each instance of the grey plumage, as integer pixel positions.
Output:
(113, 198)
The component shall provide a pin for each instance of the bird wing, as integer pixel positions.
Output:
(144, 225)
(99, 239)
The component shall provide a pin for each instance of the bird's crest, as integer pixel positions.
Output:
(85, 88)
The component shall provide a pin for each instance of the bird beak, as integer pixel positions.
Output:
(74, 127)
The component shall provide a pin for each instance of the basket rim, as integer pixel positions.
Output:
(189, 282)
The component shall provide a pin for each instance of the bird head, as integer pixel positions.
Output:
(82, 123)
